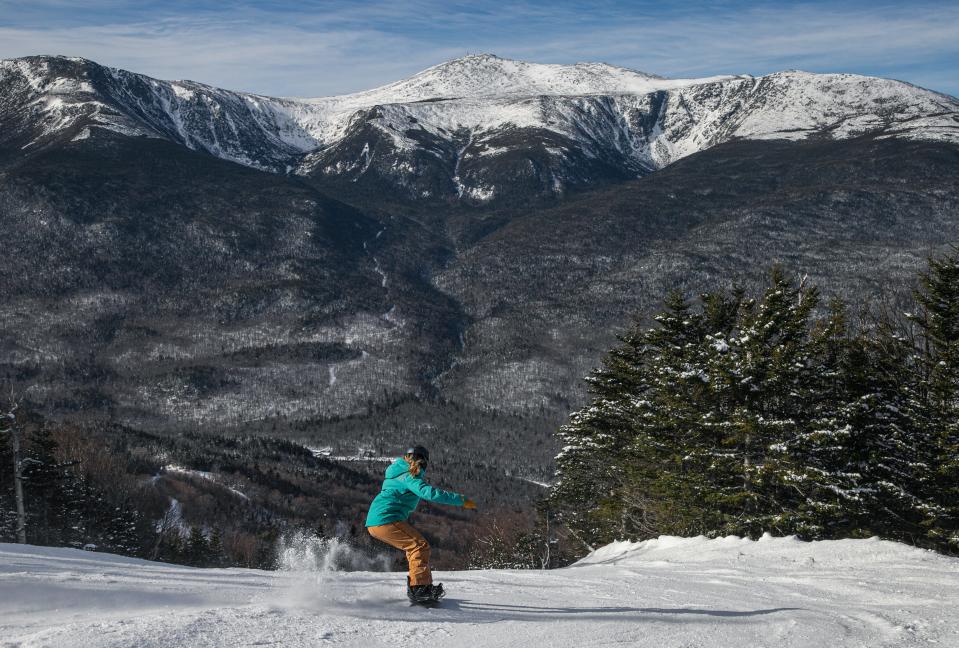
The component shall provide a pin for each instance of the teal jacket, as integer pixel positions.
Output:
(400, 494)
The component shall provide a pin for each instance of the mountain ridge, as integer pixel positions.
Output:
(459, 131)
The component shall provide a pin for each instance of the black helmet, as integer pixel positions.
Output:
(419, 452)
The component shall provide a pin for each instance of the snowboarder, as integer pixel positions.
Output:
(402, 490)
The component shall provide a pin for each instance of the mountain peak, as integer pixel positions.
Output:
(483, 75)
(482, 56)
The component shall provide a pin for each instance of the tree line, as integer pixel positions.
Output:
(45, 500)
(746, 414)
(194, 498)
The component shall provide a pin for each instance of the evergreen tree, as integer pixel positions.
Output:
(50, 496)
(171, 547)
(62, 508)
(265, 556)
(197, 548)
(889, 411)
(938, 321)
(761, 389)
(633, 461)
(110, 526)
(742, 416)
(828, 461)
(672, 481)
(216, 555)
(8, 510)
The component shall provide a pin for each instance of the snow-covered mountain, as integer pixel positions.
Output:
(152, 281)
(476, 128)
(664, 592)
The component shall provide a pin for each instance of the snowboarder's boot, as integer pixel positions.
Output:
(420, 594)
(423, 594)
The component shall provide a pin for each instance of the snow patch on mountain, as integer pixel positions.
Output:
(201, 474)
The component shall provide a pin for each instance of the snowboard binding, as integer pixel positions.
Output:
(424, 594)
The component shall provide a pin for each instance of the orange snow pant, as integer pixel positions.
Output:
(403, 536)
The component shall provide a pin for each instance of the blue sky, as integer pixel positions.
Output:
(320, 47)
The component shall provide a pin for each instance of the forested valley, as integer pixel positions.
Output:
(734, 413)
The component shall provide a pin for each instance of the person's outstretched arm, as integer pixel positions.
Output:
(425, 491)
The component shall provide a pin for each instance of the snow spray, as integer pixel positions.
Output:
(304, 552)
(308, 564)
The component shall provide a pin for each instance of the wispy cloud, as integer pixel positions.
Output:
(914, 39)
(316, 48)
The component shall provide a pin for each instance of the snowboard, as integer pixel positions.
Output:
(431, 603)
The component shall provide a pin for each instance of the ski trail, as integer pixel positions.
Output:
(460, 187)
(390, 314)
(775, 592)
(376, 263)
(379, 271)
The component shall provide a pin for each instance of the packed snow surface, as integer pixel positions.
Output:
(660, 593)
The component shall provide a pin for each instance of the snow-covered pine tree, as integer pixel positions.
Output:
(197, 548)
(598, 463)
(62, 508)
(760, 379)
(677, 478)
(938, 321)
(49, 495)
(8, 510)
(217, 557)
(109, 524)
(827, 461)
(587, 493)
(629, 464)
(740, 416)
(887, 411)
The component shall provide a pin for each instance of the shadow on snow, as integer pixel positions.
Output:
(531, 609)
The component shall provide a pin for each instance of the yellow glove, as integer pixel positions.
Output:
(469, 504)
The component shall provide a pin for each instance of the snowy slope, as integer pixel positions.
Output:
(665, 592)
(492, 88)
(45, 98)
(695, 114)
(457, 123)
